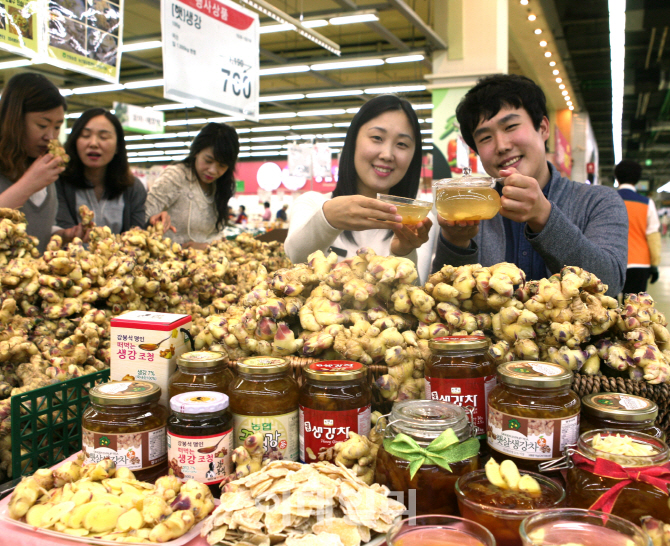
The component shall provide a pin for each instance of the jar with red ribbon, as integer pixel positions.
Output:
(628, 486)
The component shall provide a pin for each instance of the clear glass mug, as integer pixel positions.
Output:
(412, 211)
(436, 530)
(467, 199)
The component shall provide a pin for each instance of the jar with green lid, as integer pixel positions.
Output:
(200, 438)
(126, 423)
(620, 411)
(417, 429)
(533, 414)
(264, 399)
(201, 371)
(335, 399)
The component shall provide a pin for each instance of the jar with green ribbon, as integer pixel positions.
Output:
(428, 445)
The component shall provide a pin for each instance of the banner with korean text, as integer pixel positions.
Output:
(211, 55)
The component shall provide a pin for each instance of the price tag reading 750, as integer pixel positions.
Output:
(239, 83)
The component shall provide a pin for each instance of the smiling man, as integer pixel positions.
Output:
(546, 221)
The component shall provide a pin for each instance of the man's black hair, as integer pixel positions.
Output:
(492, 94)
(628, 172)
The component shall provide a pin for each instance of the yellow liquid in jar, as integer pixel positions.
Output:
(463, 204)
(411, 214)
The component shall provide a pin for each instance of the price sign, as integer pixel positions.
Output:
(210, 55)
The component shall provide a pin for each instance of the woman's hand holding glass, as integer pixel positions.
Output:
(358, 213)
(407, 237)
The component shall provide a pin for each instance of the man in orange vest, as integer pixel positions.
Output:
(644, 237)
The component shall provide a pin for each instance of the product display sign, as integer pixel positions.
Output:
(19, 27)
(210, 55)
(138, 119)
(85, 36)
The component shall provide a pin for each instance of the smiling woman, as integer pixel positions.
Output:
(99, 177)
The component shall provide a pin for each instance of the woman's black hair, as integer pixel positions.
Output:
(225, 146)
(347, 183)
(118, 176)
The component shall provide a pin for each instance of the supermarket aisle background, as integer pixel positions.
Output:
(660, 290)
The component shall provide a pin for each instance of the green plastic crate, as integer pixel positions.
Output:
(46, 422)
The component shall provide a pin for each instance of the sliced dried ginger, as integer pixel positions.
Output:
(621, 445)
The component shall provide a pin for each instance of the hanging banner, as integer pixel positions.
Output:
(85, 36)
(19, 27)
(210, 55)
(139, 120)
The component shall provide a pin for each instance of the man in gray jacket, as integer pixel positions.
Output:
(546, 221)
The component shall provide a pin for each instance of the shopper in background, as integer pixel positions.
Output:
(281, 214)
(32, 111)
(195, 192)
(267, 213)
(381, 154)
(98, 176)
(644, 237)
(546, 221)
(242, 216)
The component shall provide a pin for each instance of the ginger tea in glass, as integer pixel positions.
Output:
(467, 198)
(412, 211)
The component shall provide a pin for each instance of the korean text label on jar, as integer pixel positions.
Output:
(431, 489)
(201, 371)
(622, 411)
(533, 415)
(585, 487)
(461, 372)
(334, 400)
(264, 398)
(126, 424)
(200, 437)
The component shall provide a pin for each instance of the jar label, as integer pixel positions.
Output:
(531, 438)
(280, 432)
(472, 392)
(621, 401)
(321, 430)
(202, 458)
(134, 451)
(336, 366)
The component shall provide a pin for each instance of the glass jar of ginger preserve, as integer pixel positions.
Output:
(460, 371)
(533, 414)
(201, 371)
(622, 411)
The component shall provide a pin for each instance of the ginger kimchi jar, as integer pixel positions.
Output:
(335, 399)
(427, 446)
(622, 411)
(126, 423)
(264, 398)
(625, 473)
(460, 371)
(533, 414)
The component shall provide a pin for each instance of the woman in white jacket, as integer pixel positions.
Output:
(381, 154)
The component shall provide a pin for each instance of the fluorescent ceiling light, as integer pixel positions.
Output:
(426, 106)
(278, 98)
(152, 152)
(138, 146)
(197, 121)
(426, 147)
(170, 144)
(225, 119)
(15, 64)
(267, 139)
(267, 147)
(141, 46)
(353, 110)
(311, 126)
(270, 129)
(166, 135)
(65, 92)
(174, 106)
(395, 89)
(426, 131)
(270, 29)
(428, 140)
(132, 137)
(143, 84)
(342, 124)
(351, 19)
(326, 94)
(405, 59)
(278, 115)
(429, 120)
(242, 131)
(73, 115)
(98, 89)
(283, 70)
(617, 12)
(347, 64)
(334, 135)
(309, 113)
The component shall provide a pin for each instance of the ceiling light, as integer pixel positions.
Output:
(278, 98)
(567, 98)
(532, 17)
(426, 106)
(283, 70)
(570, 102)
(547, 53)
(130, 138)
(543, 43)
(153, 152)
(73, 115)
(353, 110)
(429, 120)
(564, 92)
(278, 115)
(555, 72)
(170, 145)
(173, 106)
(65, 92)
(396, 89)
(267, 139)
(342, 124)
(311, 126)
(552, 63)
(334, 135)
(140, 46)
(347, 64)
(267, 147)
(523, 2)
(617, 24)
(98, 89)
(224, 119)
(144, 83)
(270, 129)
(138, 146)
(562, 86)
(269, 29)
(15, 64)
(197, 121)
(426, 131)
(559, 80)
(309, 113)
(538, 31)
(405, 59)
(350, 19)
(334, 94)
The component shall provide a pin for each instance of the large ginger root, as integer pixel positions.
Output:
(56, 149)
(248, 458)
(28, 491)
(360, 454)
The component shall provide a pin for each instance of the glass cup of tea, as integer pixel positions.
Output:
(467, 198)
(412, 211)
(438, 531)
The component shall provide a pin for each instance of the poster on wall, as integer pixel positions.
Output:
(85, 36)
(211, 55)
(19, 26)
